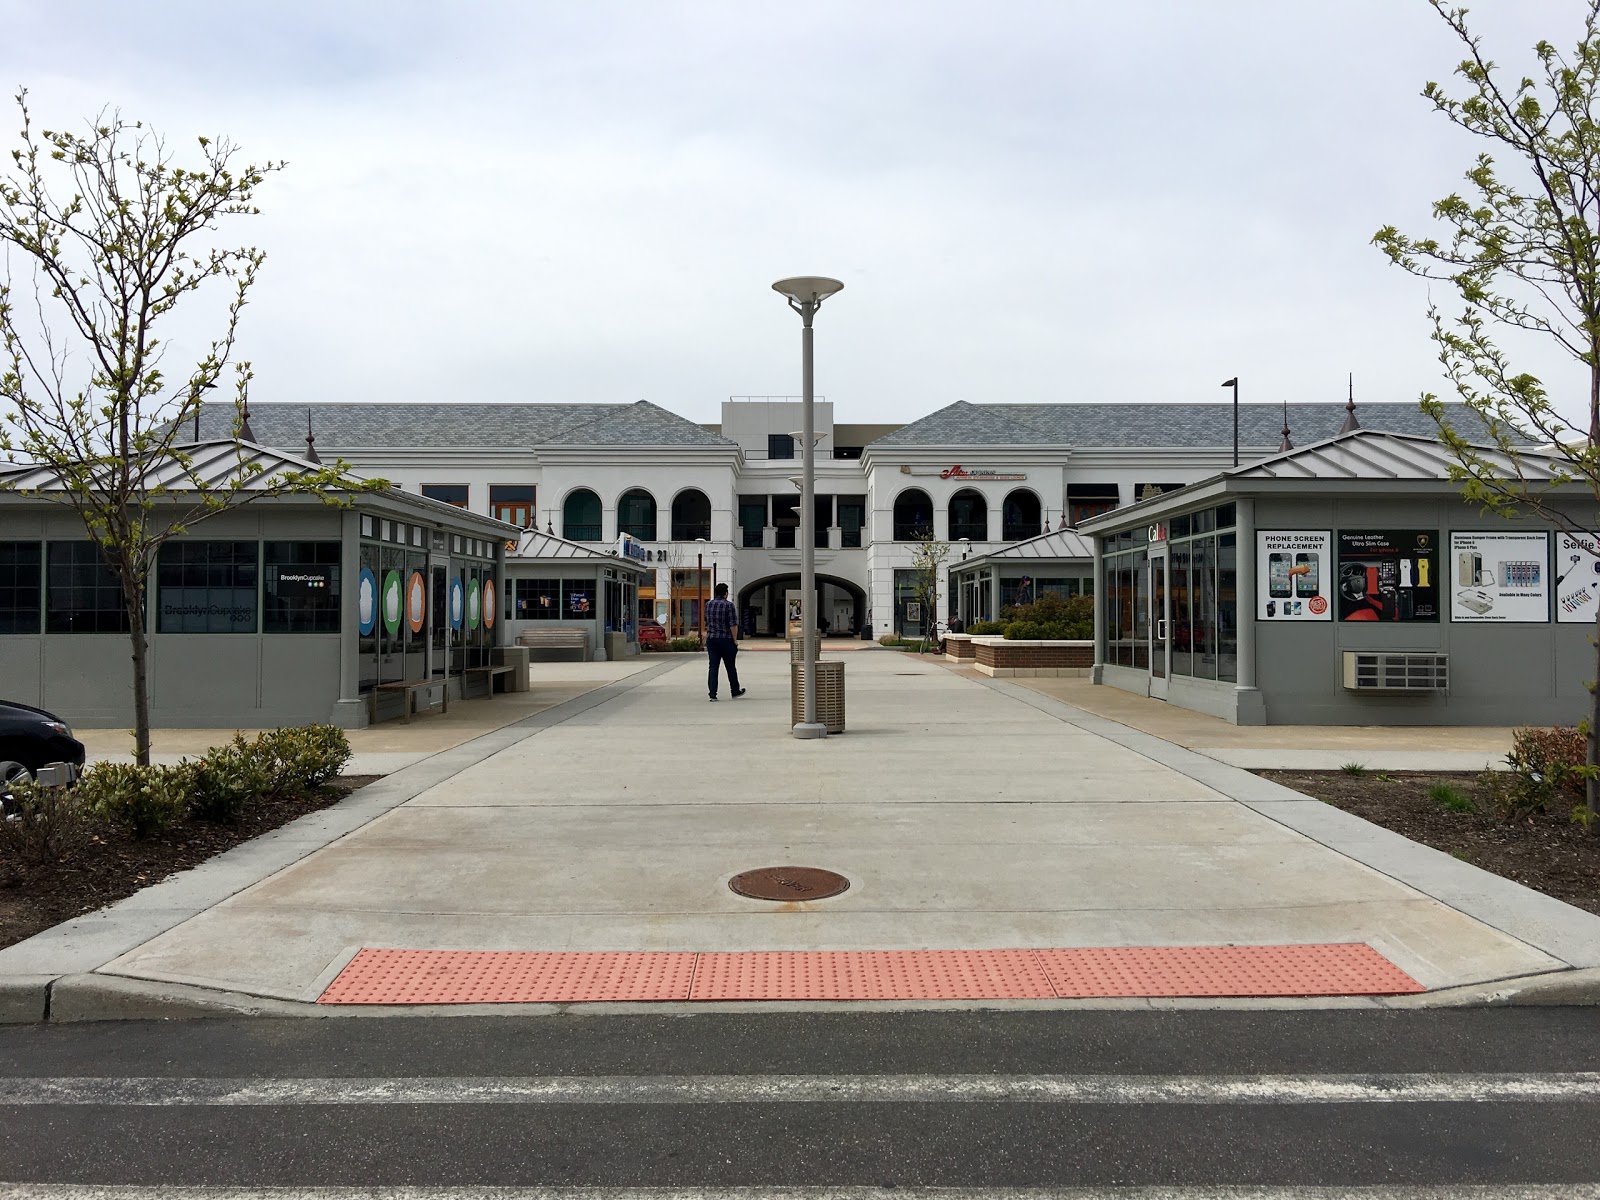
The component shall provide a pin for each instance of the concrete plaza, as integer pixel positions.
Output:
(966, 813)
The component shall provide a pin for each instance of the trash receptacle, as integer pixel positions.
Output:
(830, 695)
(866, 633)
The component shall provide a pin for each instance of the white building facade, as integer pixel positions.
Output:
(720, 503)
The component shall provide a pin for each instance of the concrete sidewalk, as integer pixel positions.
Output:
(395, 745)
(966, 814)
(1288, 747)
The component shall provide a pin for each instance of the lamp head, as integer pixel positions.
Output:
(807, 289)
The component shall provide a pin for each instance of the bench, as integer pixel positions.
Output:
(407, 690)
(485, 681)
(541, 642)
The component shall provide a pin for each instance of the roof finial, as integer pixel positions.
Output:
(1062, 524)
(311, 442)
(1287, 444)
(1350, 422)
(549, 526)
(246, 434)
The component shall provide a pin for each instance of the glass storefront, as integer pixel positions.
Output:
(1200, 554)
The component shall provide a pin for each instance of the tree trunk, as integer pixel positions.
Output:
(133, 594)
(1591, 785)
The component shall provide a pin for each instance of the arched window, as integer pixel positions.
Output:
(913, 515)
(691, 516)
(580, 517)
(969, 516)
(1020, 516)
(636, 514)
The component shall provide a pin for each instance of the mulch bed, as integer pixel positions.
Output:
(1549, 852)
(114, 864)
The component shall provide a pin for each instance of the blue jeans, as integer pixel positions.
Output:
(721, 650)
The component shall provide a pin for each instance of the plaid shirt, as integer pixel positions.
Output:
(721, 617)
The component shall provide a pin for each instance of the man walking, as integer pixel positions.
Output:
(722, 626)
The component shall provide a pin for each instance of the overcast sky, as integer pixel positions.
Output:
(588, 201)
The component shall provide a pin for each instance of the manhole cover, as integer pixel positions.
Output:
(789, 883)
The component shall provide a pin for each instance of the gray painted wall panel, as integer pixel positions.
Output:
(1501, 674)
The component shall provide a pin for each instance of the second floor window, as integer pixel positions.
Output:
(780, 445)
(512, 503)
(453, 494)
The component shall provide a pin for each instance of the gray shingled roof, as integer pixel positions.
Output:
(343, 426)
(1053, 545)
(1177, 425)
(639, 424)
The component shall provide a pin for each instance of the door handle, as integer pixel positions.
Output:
(1161, 629)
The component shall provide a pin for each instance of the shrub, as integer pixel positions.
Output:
(1048, 618)
(228, 779)
(1451, 798)
(986, 628)
(145, 799)
(1544, 766)
(679, 645)
(1353, 768)
(296, 760)
(42, 825)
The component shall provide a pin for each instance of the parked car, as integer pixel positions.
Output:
(31, 738)
(650, 632)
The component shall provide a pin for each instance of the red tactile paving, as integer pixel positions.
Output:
(871, 975)
(512, 977)
(1352, 969)
(509, 977)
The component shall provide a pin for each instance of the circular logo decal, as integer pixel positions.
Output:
(458, 603)
(367, 602)
(416, 602)
(472, 604)
(391, 601)
(488, 604)
(1318, 605)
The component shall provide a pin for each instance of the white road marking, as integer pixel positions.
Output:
(812, 1089)
(46, 1191)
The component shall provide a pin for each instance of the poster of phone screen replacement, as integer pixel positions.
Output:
(1500, 577)
(1577, 578)
(1291, 569)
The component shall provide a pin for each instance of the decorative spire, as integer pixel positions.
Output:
(246, 434)
(550, 527)
(1287, 444)
(1062, 524)
(1350, 422)
(311, 442)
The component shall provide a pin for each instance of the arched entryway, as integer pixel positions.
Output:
(764, 604)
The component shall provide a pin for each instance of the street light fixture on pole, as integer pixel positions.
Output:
(1234, 384)
(805, 294)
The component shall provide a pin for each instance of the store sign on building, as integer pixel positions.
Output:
(1389, 575)
(1292, 575)
(967, 474)
(1500, 577)
(1577, 572)
(627, 547)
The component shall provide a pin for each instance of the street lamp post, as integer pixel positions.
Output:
(805, 294)
(1234, 384)
(700, 588)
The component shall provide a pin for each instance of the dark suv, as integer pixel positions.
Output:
(30, 738)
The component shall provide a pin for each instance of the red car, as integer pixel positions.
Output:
(651, 634)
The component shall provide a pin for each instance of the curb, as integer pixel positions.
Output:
(41, 977)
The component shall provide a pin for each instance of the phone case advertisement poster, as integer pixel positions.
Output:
(1292, 575)
(1388, 575)
(1500, 577)
(1577, 572)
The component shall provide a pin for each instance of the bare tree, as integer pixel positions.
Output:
(116, 233)
(1522, 254)
(928, 556)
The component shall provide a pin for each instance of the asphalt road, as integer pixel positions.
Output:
(1146, 1104)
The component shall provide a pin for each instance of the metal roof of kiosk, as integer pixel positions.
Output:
(1401, 462)
(215, 463)
(1058, 545)
(534, 546)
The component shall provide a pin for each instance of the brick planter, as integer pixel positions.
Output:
(1002, 659)
(958, 647)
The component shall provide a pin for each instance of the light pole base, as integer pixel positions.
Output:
(816, 730)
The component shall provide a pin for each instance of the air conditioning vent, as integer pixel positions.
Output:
(1396, 671)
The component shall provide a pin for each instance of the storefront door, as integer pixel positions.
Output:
(1160, 626)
